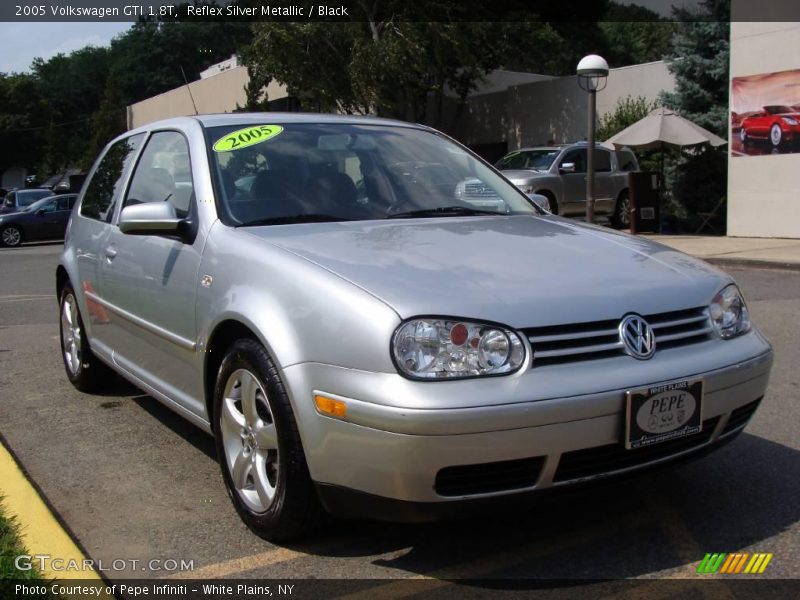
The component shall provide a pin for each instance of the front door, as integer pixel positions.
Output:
(151, 280)
(573, 201)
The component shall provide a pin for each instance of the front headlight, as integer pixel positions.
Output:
(728, 312)
(789, 120)
(448, 349)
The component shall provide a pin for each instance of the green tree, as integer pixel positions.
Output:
(634, 35)
(699, 61)
(401, 68)
(626, 113)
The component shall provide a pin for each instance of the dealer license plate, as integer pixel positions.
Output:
(663, 412)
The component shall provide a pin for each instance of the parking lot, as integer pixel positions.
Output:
(134, 481)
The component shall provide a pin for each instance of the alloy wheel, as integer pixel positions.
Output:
(249, 440)
(775, 135)
(11, 236)
(71, 334)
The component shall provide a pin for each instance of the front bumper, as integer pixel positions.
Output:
(402, 438)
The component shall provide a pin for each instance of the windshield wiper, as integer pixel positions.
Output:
(444, 211)
(290, 219)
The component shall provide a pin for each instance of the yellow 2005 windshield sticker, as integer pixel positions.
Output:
(242, 138)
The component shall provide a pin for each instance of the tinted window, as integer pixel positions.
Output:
(104, 188)
(66, 202)
(528, 159)
(163, 173)
(10, 197)
(28, 197)
(627, 161)
(602, 161)
(577, 156)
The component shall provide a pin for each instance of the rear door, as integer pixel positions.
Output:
(150, 281)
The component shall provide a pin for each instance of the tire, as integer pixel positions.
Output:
(84, 370)
(259, 447)
(743, 136)
(776, 136)
(11, 236)
(621, 219)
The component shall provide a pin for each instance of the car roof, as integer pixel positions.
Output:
(253, 118)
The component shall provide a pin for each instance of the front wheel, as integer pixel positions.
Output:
(743, 135)
(259, 447)
(11, 236)
(621, 219)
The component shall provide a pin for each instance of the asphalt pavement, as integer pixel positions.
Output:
(134, 481)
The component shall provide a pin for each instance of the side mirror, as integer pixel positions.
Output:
(567, 167)
(541, 201)
(150, 218)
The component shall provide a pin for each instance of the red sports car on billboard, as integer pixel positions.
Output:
(776, 123)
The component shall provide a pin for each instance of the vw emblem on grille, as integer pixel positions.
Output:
(637, 336)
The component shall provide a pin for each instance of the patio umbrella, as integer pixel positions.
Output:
(663, 127)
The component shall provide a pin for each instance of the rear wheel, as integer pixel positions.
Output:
(84, 370)
(775, 135)
(621, 219)
(259, 447)
(11, 236)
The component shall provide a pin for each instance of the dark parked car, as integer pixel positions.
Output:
(17, 200)
(43, 220)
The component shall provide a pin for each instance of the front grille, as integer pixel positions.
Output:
(485, 478)
(740, 416)
(479, 190)
(574, 342)
(614, 457)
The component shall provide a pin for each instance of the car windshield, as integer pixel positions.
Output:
(301, 172)
(779, 109)
(539, 160)
(28, 197)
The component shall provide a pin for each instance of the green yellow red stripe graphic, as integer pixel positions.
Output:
(734, 563)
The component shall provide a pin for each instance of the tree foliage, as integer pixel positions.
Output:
(626, 113)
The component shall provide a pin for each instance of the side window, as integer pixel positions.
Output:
(577, 156)
(104, 188)
(50, 206)
(65, 202)
(163, 173)
(602, 161)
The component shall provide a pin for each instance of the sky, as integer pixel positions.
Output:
(20, 43)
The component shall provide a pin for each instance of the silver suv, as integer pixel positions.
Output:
(559, 174)
(317, 293)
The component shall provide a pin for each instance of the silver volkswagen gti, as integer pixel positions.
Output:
(358, 336)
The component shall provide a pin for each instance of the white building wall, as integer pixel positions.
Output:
(554, 109)
(764, 191)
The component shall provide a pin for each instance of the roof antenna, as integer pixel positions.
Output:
(189, 89)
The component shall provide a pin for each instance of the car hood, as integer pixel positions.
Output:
(523, 174)
(517, 270)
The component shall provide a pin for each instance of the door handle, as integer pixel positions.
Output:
(111, 252)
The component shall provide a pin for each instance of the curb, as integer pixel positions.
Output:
(42, 530)
(751, 263)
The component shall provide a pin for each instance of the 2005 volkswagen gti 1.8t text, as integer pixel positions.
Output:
(372, 320)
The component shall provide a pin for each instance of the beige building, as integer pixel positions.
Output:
(221, 90)
(764, 190)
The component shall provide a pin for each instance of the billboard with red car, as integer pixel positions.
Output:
(765, 114)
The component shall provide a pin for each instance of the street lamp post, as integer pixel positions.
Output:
(592, 76)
